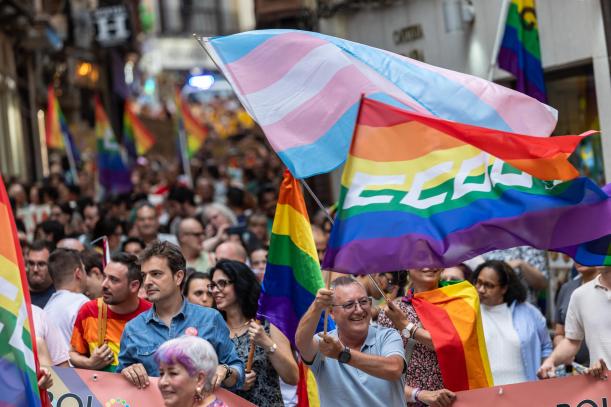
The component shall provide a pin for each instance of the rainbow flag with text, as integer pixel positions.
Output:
(418, 191)
(18, 364)
(520, 51)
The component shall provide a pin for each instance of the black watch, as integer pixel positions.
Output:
(228, 373)
(344, 355)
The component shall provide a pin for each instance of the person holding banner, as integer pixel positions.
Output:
(236, 292)
(357, 364)
(588, 318)
(187, 367)
(163, 269)
(515, 331)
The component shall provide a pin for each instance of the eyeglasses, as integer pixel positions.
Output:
(196, 234)
(350, 306)
(218, 285)
(487, 286)
(34, 264)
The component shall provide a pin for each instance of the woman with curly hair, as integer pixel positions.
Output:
(236, 292)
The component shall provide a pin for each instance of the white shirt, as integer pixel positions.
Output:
(46, 330)
(62, 308)
(589, 318)
(503, 345)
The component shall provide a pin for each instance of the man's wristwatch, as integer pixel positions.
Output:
(408, 330)
(229, 372)
(344, 356)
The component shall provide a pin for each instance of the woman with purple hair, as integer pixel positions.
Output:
(186, 368)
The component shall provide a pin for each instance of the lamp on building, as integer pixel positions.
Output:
(457, 14)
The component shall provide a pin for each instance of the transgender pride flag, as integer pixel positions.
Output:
(303, 88)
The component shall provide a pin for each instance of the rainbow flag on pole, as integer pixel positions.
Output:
(418, 191)
(195, 132)
(303, 89)
(452, 316)
(58, 134)
(137, 138)
(113, 173)
(18, 360)
(292, 276)
(520, 51)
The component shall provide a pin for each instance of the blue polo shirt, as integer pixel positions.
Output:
(340, 384)
(145, 333)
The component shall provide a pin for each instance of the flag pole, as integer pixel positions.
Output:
(499, 37)
(71, 161)
(186, 165)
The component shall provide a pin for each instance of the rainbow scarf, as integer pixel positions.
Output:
(17, 350)
(57, 133)
(520, 51)
(452, 316)
(195, 132)
(418, 191)
(292, 276)
(137, 138)
(113, 173)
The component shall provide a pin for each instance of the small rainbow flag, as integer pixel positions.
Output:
(18, 359)
(292, 276)
(195, 132)
(520, 51)
(452, 316)
(418, 191)
(57, 133)
(113, 173)
(137, 138)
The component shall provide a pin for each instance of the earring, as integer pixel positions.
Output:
(198, 395)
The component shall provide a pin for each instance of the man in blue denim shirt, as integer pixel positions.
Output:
(163, 267)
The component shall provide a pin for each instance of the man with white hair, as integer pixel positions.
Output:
(365, 361)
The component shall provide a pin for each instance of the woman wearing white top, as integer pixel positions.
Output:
(515, 331)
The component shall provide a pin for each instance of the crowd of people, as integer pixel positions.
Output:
(178, 299)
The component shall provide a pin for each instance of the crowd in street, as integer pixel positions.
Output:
(178, 299)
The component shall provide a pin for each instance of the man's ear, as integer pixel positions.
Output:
(134, 286)
(179, 277)
(97, 272)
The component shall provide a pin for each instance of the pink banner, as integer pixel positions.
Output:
(573, 391)
(90, 388)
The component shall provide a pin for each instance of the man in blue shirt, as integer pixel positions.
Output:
(163, 270)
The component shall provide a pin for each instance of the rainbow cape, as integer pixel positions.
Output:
(292, 276)
(57, 133)
(195, 132)
(137, 138)
(113, 173)
(520, 52)
(18, 360)
(418, 191)
(452, 316)
(303, 89)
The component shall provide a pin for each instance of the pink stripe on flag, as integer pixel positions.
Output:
(341, 93)
(509, 104)
(255, 70)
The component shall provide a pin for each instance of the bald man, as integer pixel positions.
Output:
(231, 251)
(71, 244)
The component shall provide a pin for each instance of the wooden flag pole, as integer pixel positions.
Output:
(251, 354)
(327, 285)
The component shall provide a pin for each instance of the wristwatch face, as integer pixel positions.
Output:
(344, 356)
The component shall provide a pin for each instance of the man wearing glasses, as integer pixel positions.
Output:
(163, 271)
(358, 363)
(39, 279)
(191, 236)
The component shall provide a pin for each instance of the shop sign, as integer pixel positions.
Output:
(111, 25)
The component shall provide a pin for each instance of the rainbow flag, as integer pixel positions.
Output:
(452, 316)
(113, 173)
(307, 389)
(138, 140)
(18, 360)
(418, 191)
(303, 88)
(292, 276)
(57, 133)
(520, 52)
(195, 132)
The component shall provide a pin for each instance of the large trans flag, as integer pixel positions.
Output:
(303, 88)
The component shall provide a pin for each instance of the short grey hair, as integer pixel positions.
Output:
(194, 353)
(344, 281)
(223, 209)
